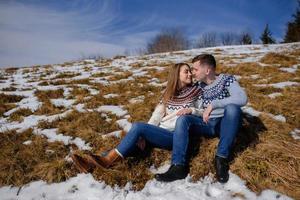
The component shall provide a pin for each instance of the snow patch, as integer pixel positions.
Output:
(117, 110)
(295, 134)
(274, 95)
(84, 186)
(278, 85)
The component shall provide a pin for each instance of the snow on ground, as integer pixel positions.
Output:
(85, 187)
(251, 111)
(125, 124)
(113, 134)
(29, 101)
(67, 103)
(28, 122)
(107, 96)
(117, 110)
(278, 85)
(274, 95)
(138, 99)
(52, 136)
(292, 69)
(295, 134)
(255, 76)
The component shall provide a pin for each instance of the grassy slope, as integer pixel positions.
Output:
(265, 155)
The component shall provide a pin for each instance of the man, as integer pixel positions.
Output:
(222, 101)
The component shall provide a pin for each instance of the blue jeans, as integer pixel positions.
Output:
(225, 127)
(154, 135)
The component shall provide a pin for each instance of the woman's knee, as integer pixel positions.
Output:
(182, 121)
(136, 125)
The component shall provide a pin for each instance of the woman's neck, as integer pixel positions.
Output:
(181, 86)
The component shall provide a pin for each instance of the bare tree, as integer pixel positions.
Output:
(170, 39)
(208, 39)
(229, 38)
(246, 38)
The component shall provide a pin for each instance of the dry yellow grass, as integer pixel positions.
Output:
(123, 75)
(276, 58)
(101, 74)
(80, 81)
(79, 93)
(47, 107)
(19, 114)
(40, 160)
(7, 98)
(5, 107)
(66, 75)
(7, 102)
(44, 95)
(265, 155)
(273, 162)
(11, 70)
(87, 126)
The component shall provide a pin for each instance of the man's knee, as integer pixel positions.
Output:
(232, 110)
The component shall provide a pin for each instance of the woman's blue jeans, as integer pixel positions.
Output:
(154, 135)
(225, 127)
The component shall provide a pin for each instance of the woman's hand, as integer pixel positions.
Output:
(141, 143)
(206, 113)
(184, 111)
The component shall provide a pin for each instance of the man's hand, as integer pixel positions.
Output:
(184, 111)
(141, 143)
(206, 113)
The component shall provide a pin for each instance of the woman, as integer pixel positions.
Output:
(179, 98)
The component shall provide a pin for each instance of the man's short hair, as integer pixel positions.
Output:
(205, 59)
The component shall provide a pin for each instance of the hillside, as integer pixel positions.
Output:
(47, 112)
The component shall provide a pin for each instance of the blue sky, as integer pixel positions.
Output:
(46, 32)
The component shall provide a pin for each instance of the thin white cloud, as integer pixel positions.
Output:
(31, 34)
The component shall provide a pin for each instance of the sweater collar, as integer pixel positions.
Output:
(214, 83)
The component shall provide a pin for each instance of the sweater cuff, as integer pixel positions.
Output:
(193, 111)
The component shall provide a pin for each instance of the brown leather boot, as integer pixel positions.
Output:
(82, 164)
(104, 161)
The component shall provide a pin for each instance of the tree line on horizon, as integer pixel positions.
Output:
(174, 39)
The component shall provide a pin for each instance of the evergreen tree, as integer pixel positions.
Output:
(293, 28)
(266, 36)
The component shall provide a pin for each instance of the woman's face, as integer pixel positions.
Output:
(185, 75)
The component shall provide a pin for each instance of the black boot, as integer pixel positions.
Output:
(175, 172)
(222, 167)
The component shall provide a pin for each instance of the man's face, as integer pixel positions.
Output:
(199, 71)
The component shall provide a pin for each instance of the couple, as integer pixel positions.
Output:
(210, 107)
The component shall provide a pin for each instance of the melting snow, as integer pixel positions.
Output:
(84, 186)
(295, 134)
(117, 110)
(278, 85)
(274, 95)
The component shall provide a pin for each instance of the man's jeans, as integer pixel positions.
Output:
(154, 135)
(226, 127)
